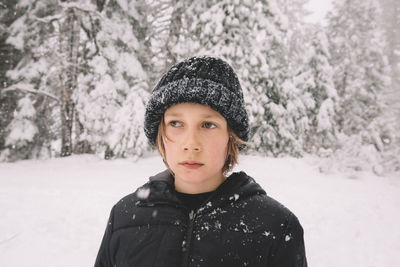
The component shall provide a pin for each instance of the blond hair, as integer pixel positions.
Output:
(232, 155)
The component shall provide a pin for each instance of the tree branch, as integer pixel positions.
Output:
(28, 90)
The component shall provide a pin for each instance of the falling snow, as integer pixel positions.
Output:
(143, 193)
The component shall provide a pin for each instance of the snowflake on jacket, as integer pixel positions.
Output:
(238, 225)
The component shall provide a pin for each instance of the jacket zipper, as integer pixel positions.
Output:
(188, 239)
(189, 234)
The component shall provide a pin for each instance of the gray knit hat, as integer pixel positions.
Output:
(201, 80)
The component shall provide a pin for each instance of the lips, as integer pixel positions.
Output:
(192, 164)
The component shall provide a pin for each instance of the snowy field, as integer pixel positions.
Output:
(54, 212)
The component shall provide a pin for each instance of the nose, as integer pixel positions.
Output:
(191, 141)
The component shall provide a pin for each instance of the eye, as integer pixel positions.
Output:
(209, 125)
(175, 123)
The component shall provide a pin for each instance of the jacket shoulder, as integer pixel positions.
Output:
(133, 197)
(285, 228)
(255, 199)
(273, 208)
(156, 183)
(270, 210)
(127, 208)
(143, 207)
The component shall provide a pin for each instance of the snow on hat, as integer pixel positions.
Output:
(207, 81)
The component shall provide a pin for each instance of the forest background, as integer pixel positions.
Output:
(75, 75)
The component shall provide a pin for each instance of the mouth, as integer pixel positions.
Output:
(191, 164)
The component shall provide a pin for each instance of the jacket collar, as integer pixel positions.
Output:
(236, 186)
(165, 176)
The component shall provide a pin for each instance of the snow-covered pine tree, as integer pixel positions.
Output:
(110, 100)
(391, 23)
(168, 28)
(284, 122)
(48, 34)
(250, 36)
(22, 132)
(361, 68)
(302, 82)
(315, 80)
(391, 110)
(361, 73)
(296, 35)
(82, 61)
(175, 30)
(37, 73)
(9, 57)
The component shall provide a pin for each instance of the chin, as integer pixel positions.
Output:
(191, 176)
(196, 176)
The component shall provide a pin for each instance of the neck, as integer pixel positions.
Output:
(195, 188)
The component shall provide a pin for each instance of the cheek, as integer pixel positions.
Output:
(172, 152)
(172, 133)
(219, 148)
(168, 149)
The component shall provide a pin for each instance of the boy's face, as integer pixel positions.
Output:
(195, 144)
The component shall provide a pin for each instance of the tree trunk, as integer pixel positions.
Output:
(69, 42)
(80, 146)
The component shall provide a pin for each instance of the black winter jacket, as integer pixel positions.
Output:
(238, 225)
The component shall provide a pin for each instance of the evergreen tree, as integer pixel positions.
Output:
(361, 68)
(21, 132)
(391, 23)
(85, 63)
(9, 57)
(296, 35)
(316, 81)
(361, 74)
(251, 36)
(114, 85)
(165, 31)
(36, 73)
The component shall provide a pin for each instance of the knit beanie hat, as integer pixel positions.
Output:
(200, 80)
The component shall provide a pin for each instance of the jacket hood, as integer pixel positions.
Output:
(160, 190)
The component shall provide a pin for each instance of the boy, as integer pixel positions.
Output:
(193, 214)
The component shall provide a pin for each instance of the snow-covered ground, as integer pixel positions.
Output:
(54, 212)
